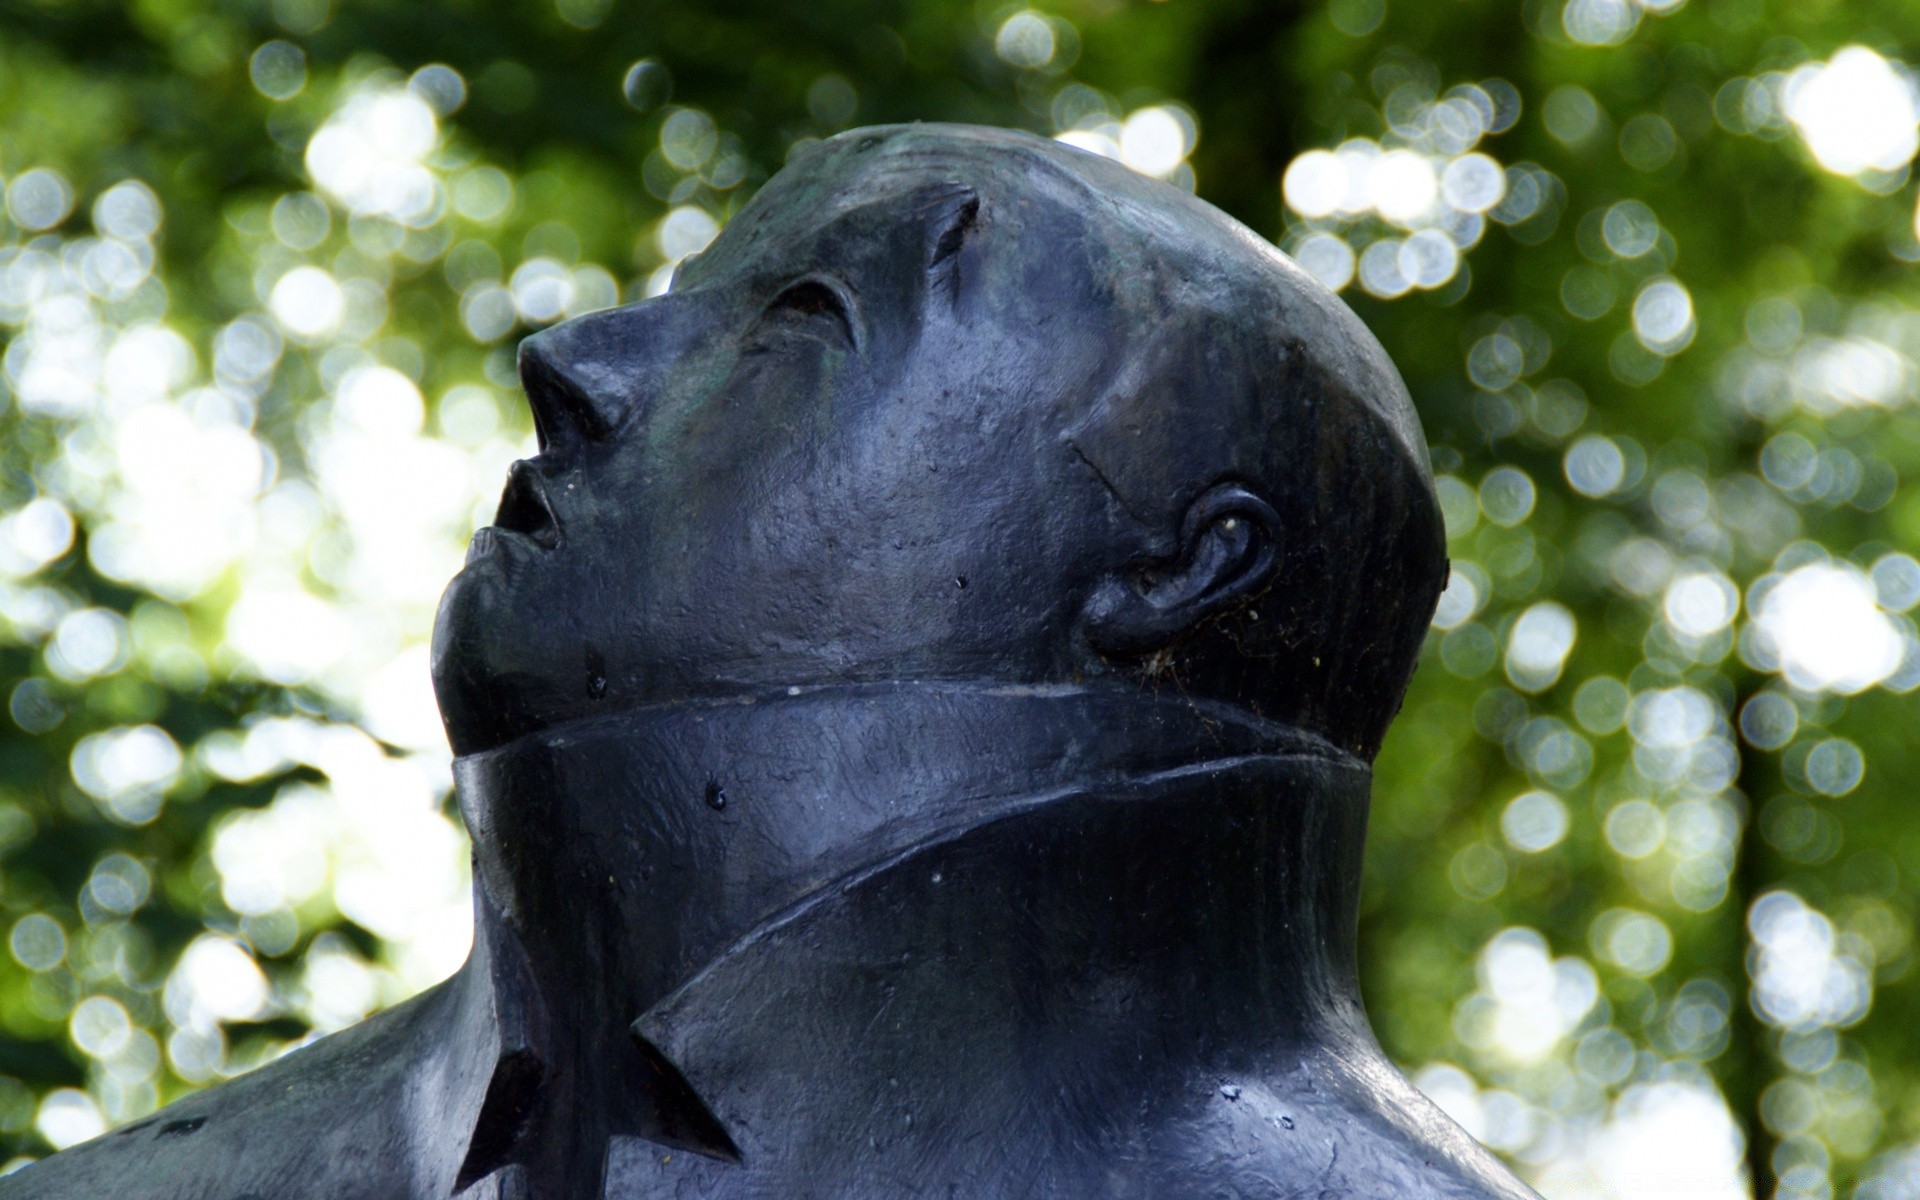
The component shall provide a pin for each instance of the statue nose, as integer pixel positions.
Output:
(585, 377)
(563, 413)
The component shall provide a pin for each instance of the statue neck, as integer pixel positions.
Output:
(636, 872)
(659, 837)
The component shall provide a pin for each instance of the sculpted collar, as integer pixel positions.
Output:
(619, 859)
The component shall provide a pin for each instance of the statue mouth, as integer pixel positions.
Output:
(525, 510)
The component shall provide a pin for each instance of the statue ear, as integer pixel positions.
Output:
(1229, 549)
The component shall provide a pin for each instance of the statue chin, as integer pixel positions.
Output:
(477, 646)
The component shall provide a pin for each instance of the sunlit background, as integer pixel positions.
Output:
(1644, 863)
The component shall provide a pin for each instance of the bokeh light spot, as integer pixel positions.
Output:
(278, 70)
(1534, 821)
(1855, 112)
(1025, 39)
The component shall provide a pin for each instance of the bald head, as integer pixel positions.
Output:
(962, 403)
(1153, 244)
(1235, 366)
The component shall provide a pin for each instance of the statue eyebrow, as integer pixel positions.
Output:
(958, 206)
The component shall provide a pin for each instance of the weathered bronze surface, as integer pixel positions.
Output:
(914, 719)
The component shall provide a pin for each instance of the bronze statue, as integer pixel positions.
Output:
(914, 718)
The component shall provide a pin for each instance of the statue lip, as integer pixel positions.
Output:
(489, 538)
(525, 510)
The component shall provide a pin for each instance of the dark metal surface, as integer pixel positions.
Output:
(913, 719)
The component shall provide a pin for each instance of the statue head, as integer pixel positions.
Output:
(956, 403)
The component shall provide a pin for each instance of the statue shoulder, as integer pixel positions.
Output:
(339, 1119)
(1336, 1123)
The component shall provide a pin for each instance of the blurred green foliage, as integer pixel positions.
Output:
(1641, 884)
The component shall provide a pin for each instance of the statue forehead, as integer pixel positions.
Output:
(1142, 237)
(881, 177)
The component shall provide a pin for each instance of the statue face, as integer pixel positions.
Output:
(832, 452)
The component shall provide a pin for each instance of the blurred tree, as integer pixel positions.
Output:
(1641, 890)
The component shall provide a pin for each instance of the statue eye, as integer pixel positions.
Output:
(815, 309)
